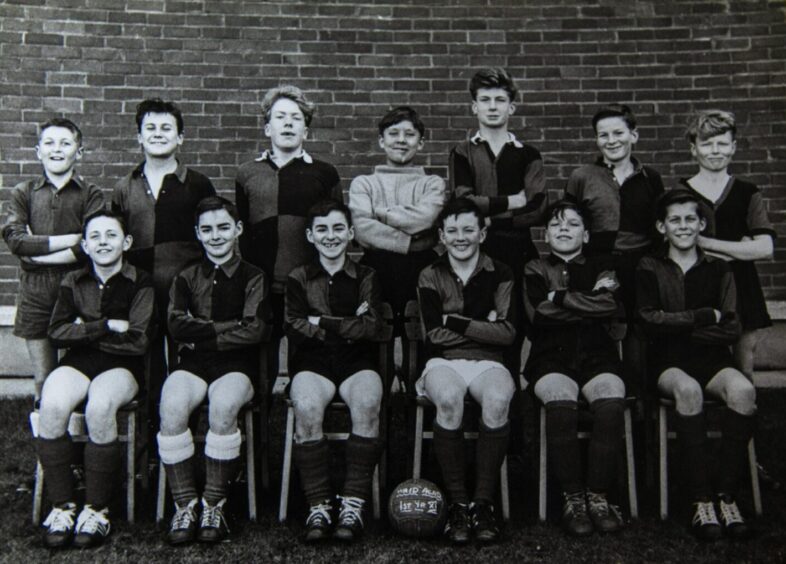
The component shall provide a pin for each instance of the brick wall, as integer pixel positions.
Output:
(93, 61)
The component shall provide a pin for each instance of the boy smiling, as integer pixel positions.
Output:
(217, 313)
(332, 319)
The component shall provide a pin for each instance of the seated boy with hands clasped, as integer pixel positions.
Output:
(572, 301)
(103, 316)
(686, 301)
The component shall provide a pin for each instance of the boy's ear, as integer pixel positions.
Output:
(634, 133)
(309, 235)
(512, 109)
(474, 107)
(483, 232)
(83, 243)
(702, 224)
(267, 130)
(128, 240)
(239, 226)
(79, 152)
(661, 227)
(351, 232)
(381, 142)
(586, 237)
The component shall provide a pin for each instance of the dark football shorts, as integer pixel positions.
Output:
(35, 301)
(212, 365)
(92, 362)
(336, 363)
(701, 363)
(581, 368)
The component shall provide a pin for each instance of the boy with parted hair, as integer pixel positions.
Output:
(157, 199)
(218, 313)
(333, 318)
(466, 308)
(686, 301)
(103, 317)
(619, 194)
(572, 305)
(504, 177)
(394, 210)
(43, 229)
(275, 191)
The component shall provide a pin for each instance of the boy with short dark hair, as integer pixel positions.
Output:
(619, 194)
(394, 210)
(333, 318)
(102, 316)
(275, 191)
(571, 302)
(686, 300)
(43, 229)
(218, 313)
(504, 177)
(466, 308)
(157, 199)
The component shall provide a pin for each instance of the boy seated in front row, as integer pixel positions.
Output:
(686, 301)
(465, 306)
(332, 318)
(102, 315)
(44, 229)
(571, 302)
(218, 313)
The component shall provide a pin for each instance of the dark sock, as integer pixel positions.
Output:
(311, 460)
(218, 474)
(562, 418)
(692, 438)
(362, 455)
(55, 456)
(181, 481)
(490, 451)
(604, 446)
(737, 432)
(449, 450)
(102, 469)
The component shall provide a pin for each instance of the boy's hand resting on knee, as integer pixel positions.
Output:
(117, 325)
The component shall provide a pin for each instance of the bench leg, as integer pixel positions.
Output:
(543, 468)
(38, 492)
(251, 470)
(755, 489)
(286, 469)
(375, 493)
(161, 496)
(130, 465)
(504, 489)
(418, 456)
(663, 439)
(633, 499)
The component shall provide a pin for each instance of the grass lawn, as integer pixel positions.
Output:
(646, 540)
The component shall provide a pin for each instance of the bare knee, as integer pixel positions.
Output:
(100, 413)
(52, 418)
(174, 414)
(223, 415)
(495, 409)
(450, 407)
(688, 397)
(741, 397)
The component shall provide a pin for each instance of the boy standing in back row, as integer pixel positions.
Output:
(274, 192)
(44, 229)
(157, 200)
(394, 210)
(504, 177)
